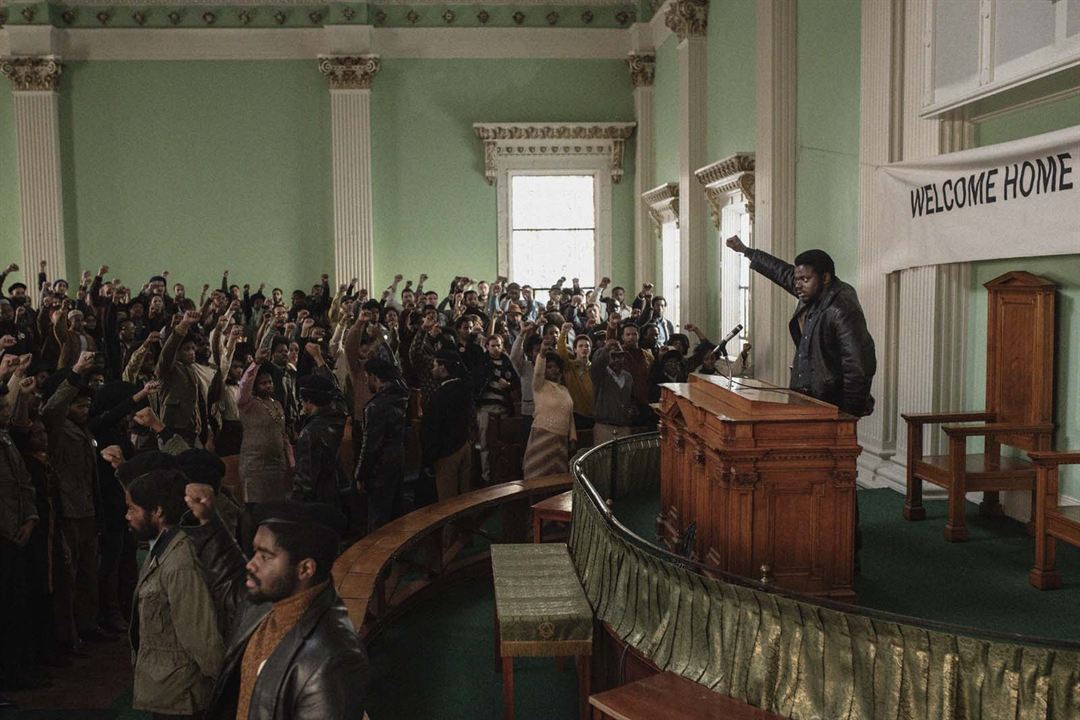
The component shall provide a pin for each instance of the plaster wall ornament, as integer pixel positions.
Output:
(734, 174)
(349, 72)
(504, 140)
(28, 74)
(663, 204)
(322, 3)
(642, 68)
(687, 18)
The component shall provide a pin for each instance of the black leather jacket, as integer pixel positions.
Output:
(834, 353)
(319, 670)
(317, 477)
(382, 454)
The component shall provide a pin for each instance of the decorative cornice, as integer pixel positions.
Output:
(323, 3)
(687, 18)
(642, 68)
(548, 139)
(32, 73)
(349, 72)
(730, 175)
(663, 204)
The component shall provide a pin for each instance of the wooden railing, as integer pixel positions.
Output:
(378, 575)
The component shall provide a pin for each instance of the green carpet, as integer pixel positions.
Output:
(908, 568)
(438, 663)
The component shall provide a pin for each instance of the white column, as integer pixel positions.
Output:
(931, 308)
(774, 221)
(880, 129)
(642, 74)
(350, 121)
(687, 19)
(35, 81)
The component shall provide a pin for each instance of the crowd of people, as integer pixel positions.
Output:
(121, 414)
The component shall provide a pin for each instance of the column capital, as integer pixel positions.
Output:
(642, 68)
(349, 72)
(32, 73)
(687, 18)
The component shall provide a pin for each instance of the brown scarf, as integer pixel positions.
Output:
(271, 631)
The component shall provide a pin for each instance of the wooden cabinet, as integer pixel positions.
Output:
(767, 478)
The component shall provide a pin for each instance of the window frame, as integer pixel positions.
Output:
(549, 166)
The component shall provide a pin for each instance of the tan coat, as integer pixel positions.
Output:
(177, 645)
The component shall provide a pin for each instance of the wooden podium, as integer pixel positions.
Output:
(768, 477)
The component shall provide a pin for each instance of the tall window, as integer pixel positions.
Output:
(735, 275)
(671, 282)
(553, 228)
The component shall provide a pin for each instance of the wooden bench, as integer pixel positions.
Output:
(370, 574)
(557, 509)
(667, 696)
(540, 611)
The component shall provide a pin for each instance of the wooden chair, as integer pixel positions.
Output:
(1053, 522)
(1019, 407)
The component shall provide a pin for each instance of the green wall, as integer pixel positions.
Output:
(196, 167)
(434, 212)
(732, 91)
(1062, 269)
(827, 161)
(10, 243)
(731, 105)
(666, 112)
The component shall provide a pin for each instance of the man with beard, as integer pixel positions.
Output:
(174, 635)
(293, 653)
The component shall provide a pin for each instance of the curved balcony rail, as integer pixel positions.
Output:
(790, 654)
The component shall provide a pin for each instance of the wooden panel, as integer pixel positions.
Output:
(1020, 352)
(667, 696)
(763, 490)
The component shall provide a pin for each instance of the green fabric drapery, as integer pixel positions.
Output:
(794, 657)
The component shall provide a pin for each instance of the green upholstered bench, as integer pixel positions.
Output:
(540, 610)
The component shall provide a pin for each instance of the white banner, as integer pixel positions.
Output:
(1016, 199)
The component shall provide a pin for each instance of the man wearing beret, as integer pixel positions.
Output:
(381, 468)
(316, 477)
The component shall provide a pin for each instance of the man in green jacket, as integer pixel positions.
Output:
(175, 637)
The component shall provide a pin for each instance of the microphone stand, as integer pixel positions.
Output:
(721, 350)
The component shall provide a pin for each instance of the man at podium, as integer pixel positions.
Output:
(834, 353)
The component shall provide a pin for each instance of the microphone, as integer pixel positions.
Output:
(721, 349)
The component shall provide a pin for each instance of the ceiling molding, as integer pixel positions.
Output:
(539, 43)
(660, 31)
(309, 43)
